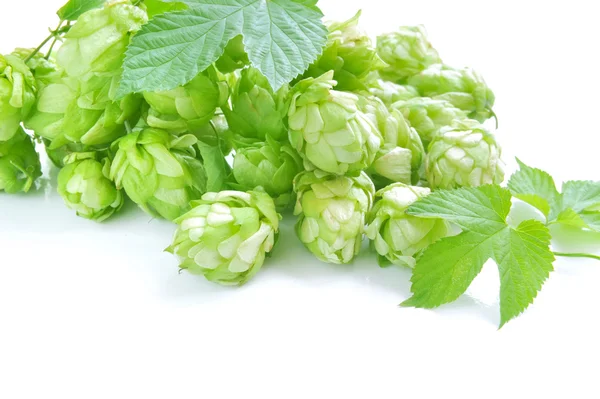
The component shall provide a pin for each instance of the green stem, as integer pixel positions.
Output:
(53, 34)
(577, 255)
(49, 53)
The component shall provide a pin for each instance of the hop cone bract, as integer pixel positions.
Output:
(19, 163)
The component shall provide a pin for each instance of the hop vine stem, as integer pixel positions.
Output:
(577, 255)
(53, 35)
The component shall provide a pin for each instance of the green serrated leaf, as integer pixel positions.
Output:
(535, 187)
(483, 209)
(592, 220)
(524, 261)
(74, 8)
(446, 269)
(581, 195)
(282, 38)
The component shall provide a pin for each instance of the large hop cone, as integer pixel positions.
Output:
(332, 212)
(17, 94)
(349, 53)
(407, 52)
(226, 236)
(464, 88)
(329, 130)
(464, 154)
(78, 104)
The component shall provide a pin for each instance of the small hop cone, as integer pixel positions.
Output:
(257, 112)
(350, 54)
(399, 238)
(17, 95)
(329, 130)
(188, 107)
(427, 115)
(407, 52)
(390, 92)
(158, 171)
(401, 156)
(332, 212)
(234, 57)
(271, 166)
(464, 154)
(226, 236)
(19, 163)
(464, 88)
(85, 186)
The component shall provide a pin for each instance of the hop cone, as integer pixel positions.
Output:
(328, 129)
(349, 53)
(427, 115)
(159, 172)
(234, 57)
(257, 112)
(464, 154)
(390, 92)
(269, 165)
(19, 163)
(188, 107)
(401, 155)
(464, 88)
(17, 95)
(332, 213)
(78, 105)
(85, 186)
(397, 237)
(407, 52)
(226, 236)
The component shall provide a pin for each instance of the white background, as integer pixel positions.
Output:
(99, 311)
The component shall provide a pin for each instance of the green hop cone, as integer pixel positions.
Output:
(270, 165)
(464, 88)
(188, 107)
(257, 112)
(397, 237)
(332, 211)
(407, 52)
(159, 172)
(226, 236)
(234, 57)
(17, 95)
(85, 186)
(390, 92)
(464, 154)
(349, 53)
(401, 156)
(19, 163)
(427, 115)
(78, 102)
(328, 129)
